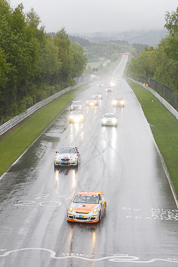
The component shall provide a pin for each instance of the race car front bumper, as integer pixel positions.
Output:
(66, 162)
(82, 218)
(109, 123)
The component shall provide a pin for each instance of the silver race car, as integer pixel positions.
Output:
(67, 156)
(76, 105)
(108, 89)
(109, 119)
(76, 116)
(91, 102)
(118, 102)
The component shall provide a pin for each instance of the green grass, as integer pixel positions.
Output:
(164, 127)
(16, 141)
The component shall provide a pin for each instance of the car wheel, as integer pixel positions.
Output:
(100, 216)
(55, 167)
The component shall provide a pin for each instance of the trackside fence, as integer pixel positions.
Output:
(167, 93)
(17, 119)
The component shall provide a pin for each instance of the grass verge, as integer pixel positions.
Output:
(16, 141)
(164, 127)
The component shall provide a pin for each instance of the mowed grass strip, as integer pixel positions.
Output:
(164, 127)
(16, 141)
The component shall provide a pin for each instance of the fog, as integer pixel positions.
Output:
(84, 16)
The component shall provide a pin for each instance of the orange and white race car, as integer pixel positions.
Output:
(87, 207)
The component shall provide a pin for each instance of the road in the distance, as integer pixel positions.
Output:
(141, 224)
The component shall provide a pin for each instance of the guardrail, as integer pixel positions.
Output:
(160, 98)
(167, 93)
(14, 121)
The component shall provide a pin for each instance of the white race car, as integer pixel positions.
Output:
(76, 116)
(118, 102)
(87, 207)
(92, 101)
(67, 156)
(98, 96)
(108, 89)
(109, 119)
(75, 105)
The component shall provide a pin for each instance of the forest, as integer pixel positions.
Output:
(160, 63)
(33, 65)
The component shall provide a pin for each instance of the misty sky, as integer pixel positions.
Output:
(83, 16)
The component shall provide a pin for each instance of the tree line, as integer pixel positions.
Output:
(160, 63)
(33, 65)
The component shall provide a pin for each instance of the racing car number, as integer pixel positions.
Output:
(81, 216)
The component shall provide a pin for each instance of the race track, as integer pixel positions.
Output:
(140, 227)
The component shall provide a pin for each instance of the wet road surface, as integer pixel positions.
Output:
(140, 227)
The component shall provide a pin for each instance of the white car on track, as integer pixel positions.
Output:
(67, 156)
(109, 119)
(76, 105)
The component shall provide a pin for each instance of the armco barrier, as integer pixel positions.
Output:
(11, 123)
(160, 98)
(167, 93)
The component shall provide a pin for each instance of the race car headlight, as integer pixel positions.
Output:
(81, 116)
(122, 102)
(95, 210)
(70, 209)
(114, 120)
(71, 117)
(114, 102)
(104, 120)
(76, 119)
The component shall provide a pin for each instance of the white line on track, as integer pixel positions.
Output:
(114, 258)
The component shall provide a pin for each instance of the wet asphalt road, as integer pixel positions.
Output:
(141, 224)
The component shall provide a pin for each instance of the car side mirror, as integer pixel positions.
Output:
(72, 200)
(56, 151)
(101, 202)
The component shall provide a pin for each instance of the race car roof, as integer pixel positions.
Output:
(90, 193)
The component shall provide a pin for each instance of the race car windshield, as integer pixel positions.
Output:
(76, 103)
(67, 150)
(109, 116)
(86, 199)
(76, 113)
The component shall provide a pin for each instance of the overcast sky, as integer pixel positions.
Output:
(83, 16)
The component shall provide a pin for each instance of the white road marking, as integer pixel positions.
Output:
(155, 214)
(114, 258)
(26, 203)
(40, 196)
(50, 204)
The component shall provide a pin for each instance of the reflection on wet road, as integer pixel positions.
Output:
(141, 223)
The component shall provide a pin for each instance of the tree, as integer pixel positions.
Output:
(172, 41)
(49, 62)
(172, 22)
(78, 60)
(63, 43)
(144, 64)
